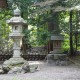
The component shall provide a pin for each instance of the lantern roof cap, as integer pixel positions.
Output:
(17, 19)
(17, 12)
(57, 37)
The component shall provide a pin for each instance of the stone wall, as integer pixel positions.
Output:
(37, 50)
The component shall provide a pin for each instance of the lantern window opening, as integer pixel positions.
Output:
(16, 27)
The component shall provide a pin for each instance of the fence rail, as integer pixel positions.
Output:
(26, 57)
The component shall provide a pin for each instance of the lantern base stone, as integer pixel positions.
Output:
(14, 63)
(18, 65)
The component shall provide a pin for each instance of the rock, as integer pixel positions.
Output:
(16, 70)
(1, 71)
(26, 67)
(14, 61)
(57, 59)
(57, 62)
(33, 68)
(50, 58)
(15, 65)
(18, 65)
(63, 63)
(5, 68)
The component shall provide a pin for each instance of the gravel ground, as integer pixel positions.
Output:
(47, 72)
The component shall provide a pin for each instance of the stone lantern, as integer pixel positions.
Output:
(17, 23)
(17, 64)
(16, 35)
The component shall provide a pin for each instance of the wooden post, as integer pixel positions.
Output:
(76, 34)
(71, 31)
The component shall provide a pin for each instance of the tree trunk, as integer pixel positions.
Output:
(3, 4)
(76, 40)
(24, 44)
(52, 25)
(71, 33)
(76, 28)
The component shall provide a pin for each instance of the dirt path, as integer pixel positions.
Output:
(47, 72)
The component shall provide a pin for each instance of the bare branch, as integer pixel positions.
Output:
(46, 3)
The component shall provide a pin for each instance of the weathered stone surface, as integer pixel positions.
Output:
(61, 63)
(33, 68)
(57, 37)
(60, 56)
(57, 59)
(50, 57)
(26, 67)
(1, 71)
(16, 70)
(56, 51)
(21, 66)
(23, 69)
(5, 68)
(13, 63)
(37, 50)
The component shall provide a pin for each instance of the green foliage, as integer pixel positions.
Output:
(24, 5)
(4, 29)
(64, 22)
(65, 45)
(41, 15)
(43, 36)
(37, 36)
